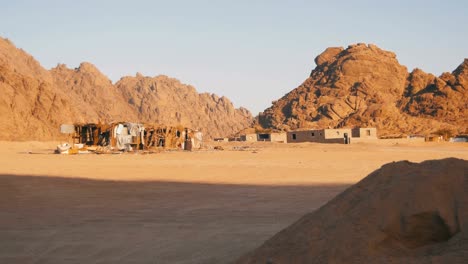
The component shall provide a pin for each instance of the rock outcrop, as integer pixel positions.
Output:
(402, 213)
(36, 101)
(364, 85)
(444, 98)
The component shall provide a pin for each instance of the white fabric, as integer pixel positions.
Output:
(119, 129)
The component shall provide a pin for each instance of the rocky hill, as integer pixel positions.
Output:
(31, 106)
(168, 101)
(93, 94)
(364, 85)
(388, 217)
(36, 101)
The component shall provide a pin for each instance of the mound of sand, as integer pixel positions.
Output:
(402, 213)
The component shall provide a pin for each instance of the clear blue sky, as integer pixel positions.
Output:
(253, 52)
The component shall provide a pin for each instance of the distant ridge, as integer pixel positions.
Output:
(36, 101)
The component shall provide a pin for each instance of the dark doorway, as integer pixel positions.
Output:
(347, 139)
(264, 137)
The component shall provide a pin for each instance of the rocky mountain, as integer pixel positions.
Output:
(93, 93)
(388, 217)
(364, 85)
(31, 106)
(168, 101)
(36, 101)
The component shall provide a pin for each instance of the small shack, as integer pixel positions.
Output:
(279, 137)
(459, 138)
(265, 136)
(335, 135)
(129, 136)
(249, 137)
(161, 136)
(340, 136)
(120, 135)
(434, 138)
(363, 133)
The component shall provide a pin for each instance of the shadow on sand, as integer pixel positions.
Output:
(62, 220)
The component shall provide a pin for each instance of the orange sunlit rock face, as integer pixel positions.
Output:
(364, 85)
(36, 101)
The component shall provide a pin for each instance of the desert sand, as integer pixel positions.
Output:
(174, 207)
(403, 212)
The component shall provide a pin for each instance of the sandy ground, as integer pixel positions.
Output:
(174, 207)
